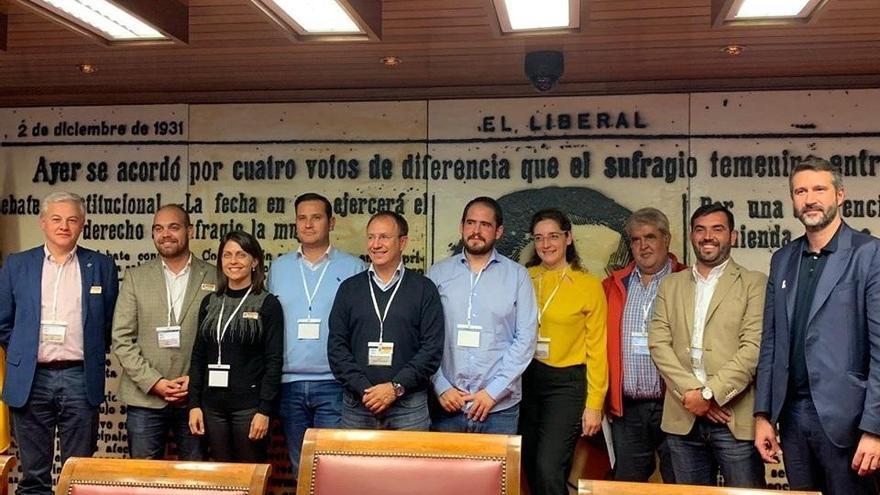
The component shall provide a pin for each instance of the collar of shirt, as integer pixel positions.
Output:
(184, 272)
(67, 257)
(656, 278)
(382, 285)
(493, 258)
(827, 248)
(308, 264)
(714, 274)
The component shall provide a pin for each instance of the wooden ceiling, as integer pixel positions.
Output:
(449, 49)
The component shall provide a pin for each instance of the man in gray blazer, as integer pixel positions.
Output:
(819, 366)
(154, 327)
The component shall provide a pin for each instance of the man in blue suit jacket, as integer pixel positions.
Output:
(56, 309)
(819, 367)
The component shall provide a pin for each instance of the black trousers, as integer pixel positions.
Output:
(227, 432)
(550, 424)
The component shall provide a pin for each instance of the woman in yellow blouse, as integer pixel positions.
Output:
(564, 386)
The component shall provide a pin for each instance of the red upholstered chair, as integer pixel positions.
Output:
(600, 487)
(366, 462)
(94, 476)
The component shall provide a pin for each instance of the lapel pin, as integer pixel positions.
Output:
(783, 284)
(88, 265)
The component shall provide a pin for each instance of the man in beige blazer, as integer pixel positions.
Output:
(704, 339)
(154, 327)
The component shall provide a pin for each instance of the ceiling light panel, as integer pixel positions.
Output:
(318, 16)
(103, 17)
(516, 16)
(776, 8)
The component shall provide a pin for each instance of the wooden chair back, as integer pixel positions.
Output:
(600, 487)
(99, 476)
(367, 462)
(6, 463)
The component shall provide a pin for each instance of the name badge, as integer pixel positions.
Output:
(380, 353)
(169, 337)
(308, 328)
(52, 332)
(250, 315)
(96, 289)
(209, 287)
(542, 350)
(468, 335)
(640, 344)
(218, 375)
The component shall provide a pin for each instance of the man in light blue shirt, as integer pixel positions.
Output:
(491, 319)
(305, 282)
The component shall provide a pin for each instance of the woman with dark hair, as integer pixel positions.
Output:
(235, 372)
(564, 386)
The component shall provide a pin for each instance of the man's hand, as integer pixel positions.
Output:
(259, 426)
(717, 414)
(591, 422)
(867, 455)
(178, 397)
(481, 404)
(765, 440)
(452, 400)
(379, 397)
(695, 404)
(166, 389)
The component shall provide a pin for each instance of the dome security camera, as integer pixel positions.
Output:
(544, 68)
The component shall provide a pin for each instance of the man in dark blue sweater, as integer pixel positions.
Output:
(386, 335)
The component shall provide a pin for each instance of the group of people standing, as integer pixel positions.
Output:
(695, 365)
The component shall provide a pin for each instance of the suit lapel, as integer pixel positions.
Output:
(86, 271)
(834, 268)
(689, 293)
(789, 286)
(37, 288)
(725, 283)
(196, 276)
(157, 279)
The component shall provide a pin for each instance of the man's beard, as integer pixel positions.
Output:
(816, 224)
(487, 246)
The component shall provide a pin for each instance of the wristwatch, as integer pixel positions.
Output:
(398, 389)
(707, 394)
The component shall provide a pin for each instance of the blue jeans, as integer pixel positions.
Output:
(697, 456)
(812, 462)
(305, 405)
(503, 422)
(57, 399)
(409, 412)
(148, 431)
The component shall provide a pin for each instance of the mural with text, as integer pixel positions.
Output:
(598, 158)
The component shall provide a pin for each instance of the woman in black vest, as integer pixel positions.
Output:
(237, 356)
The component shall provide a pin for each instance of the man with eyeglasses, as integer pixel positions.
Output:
(56, 307)
(635, 392)
(386, 335)
(491, 322)
(154, 328)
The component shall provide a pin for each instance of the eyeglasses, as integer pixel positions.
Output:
(552, 237)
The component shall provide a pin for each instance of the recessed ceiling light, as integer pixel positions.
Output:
(390, 61)
(530, 15)
(87, 68)
(733, 50)
(102, 18)
(312, 17)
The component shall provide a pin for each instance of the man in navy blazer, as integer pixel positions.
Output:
(56, 309)
(819, 368)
